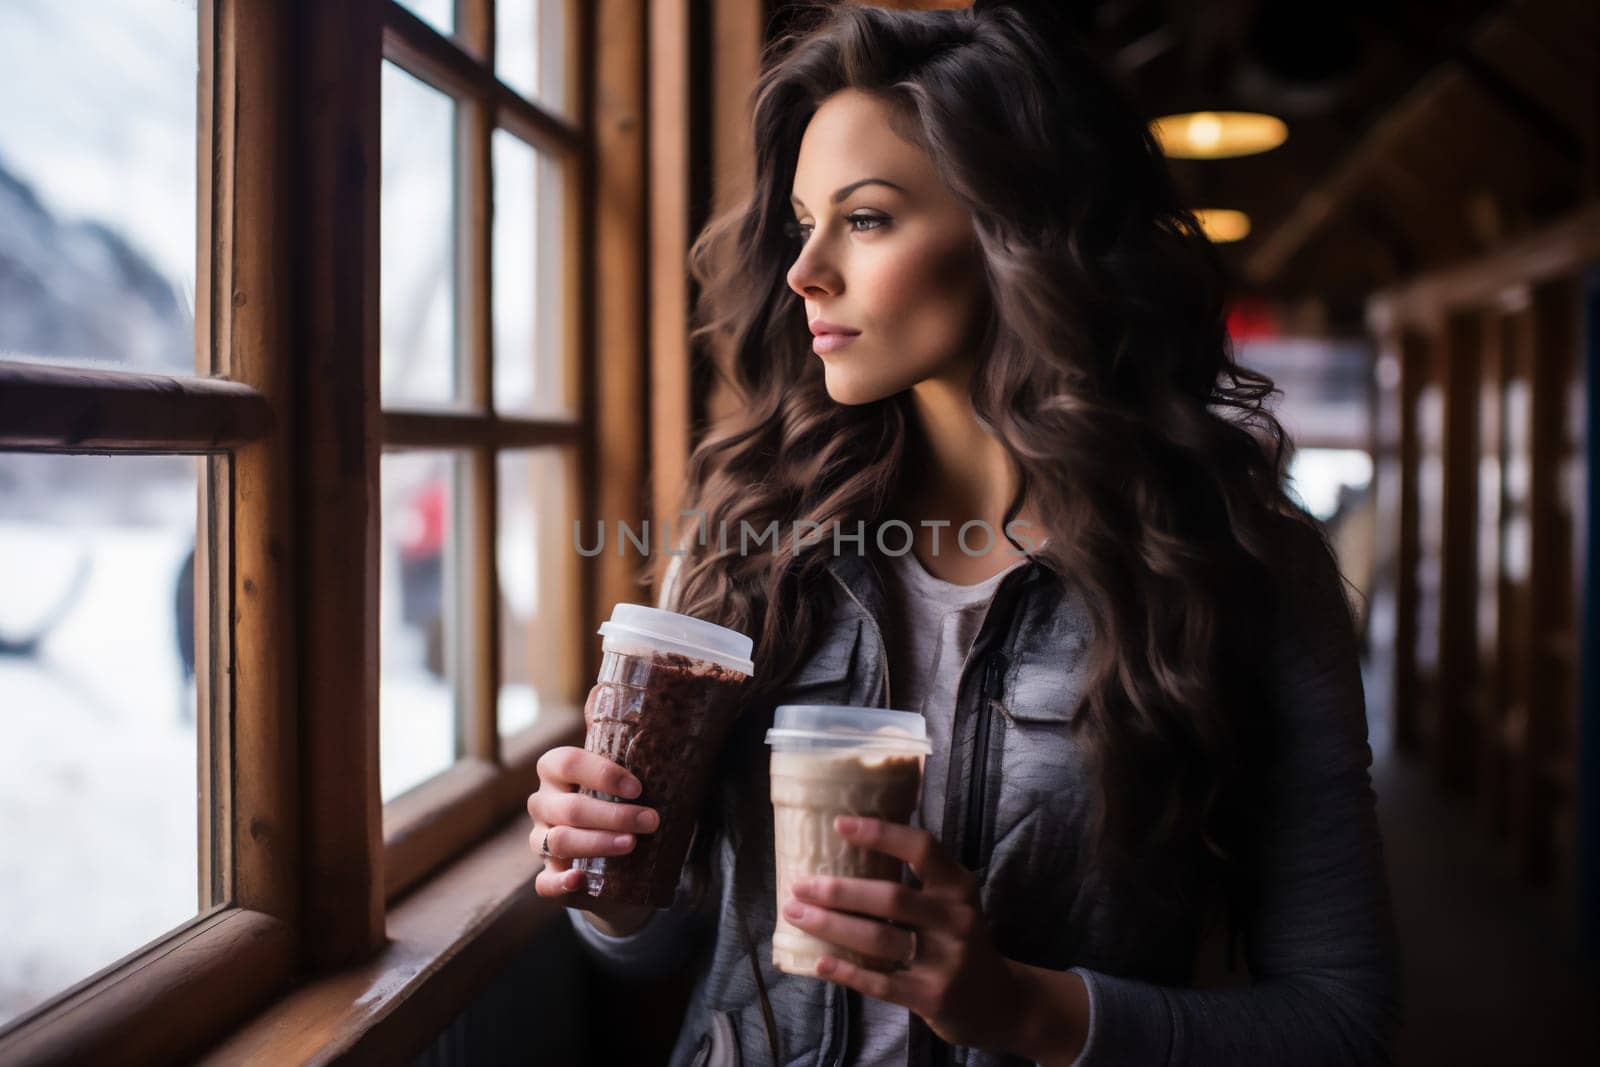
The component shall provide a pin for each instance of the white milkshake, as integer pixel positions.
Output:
(829, 761)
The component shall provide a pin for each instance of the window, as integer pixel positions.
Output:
(97, 183)
(479, 412)
(109, 562)
(97, 772)
(292, 435)
(540, 651)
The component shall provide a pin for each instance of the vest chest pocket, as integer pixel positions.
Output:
(828, 671)
(1040, 757)
(1041, 802)
(1037, 701)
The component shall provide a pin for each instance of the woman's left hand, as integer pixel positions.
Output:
(958, 982)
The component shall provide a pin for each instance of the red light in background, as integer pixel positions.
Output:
(1248, 319)
(421, 525)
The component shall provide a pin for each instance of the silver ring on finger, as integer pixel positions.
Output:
(905, 962)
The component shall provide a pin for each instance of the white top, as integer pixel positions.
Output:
(938, 621)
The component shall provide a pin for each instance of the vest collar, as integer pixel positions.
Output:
(861, 574)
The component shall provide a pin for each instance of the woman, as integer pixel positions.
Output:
(1143, 689)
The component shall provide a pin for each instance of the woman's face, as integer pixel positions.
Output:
(899, 262)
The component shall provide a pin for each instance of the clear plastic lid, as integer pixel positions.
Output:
(671, 632)
(807, 724)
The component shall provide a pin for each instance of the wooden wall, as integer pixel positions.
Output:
(1482, 467)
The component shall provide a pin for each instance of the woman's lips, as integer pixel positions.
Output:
(823, 343)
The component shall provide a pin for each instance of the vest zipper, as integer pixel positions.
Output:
(940, 1052)
(838, 996)
(940, 1049)
(972, 839)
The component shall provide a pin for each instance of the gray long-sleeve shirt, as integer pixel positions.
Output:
(1321, 947)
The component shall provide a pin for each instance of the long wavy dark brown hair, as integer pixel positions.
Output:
(1106, 371)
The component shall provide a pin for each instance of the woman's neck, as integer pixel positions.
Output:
(957, 472)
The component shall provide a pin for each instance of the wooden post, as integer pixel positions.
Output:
(1491, 702)
(671, 408)
(620, 264)
(338, 122)
(1429, 421)
(1516, 645)
(1586, 548)
(1457, 723)
(1410, 351)
(1553, 695)
(737, 37)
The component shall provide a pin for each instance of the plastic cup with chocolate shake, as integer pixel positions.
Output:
(667, 693)
(830, 760)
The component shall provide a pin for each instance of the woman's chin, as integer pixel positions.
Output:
(851, 397)
(846, 388)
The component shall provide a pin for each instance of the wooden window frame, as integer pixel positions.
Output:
(284, 406)
(238, 412)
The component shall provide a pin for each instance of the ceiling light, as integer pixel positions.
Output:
(1223, 225)
(1218, 134)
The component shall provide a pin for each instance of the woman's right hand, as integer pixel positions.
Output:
(582, 826)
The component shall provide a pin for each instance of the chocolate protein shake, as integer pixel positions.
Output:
(667, 693)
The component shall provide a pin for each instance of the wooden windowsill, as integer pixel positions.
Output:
(447, 939)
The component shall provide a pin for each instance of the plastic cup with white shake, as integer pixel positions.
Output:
(831, 760)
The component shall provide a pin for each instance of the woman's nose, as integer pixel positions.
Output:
(809, 277)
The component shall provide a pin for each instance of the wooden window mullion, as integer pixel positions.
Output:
(213, 643)
(252, 529)
(478, 640)
(213, 799)
(579, 330)
(479, 636)
(428, 429)
(446, 65)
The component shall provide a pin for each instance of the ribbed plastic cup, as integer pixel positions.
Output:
(667, 693)
(831, 760)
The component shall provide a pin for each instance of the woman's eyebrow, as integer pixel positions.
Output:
(846, 190)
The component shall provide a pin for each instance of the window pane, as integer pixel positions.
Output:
(417, 281)
(530, 46)
(440, 14)
(530, 373)
(99, 791)
(417, 701)
(97, 182)
(1328, 480)
(537, 560)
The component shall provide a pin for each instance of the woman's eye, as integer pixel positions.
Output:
(799, 231)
